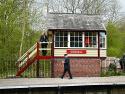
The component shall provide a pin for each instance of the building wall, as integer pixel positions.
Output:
(89, 65)
(89, 52)
(103, 53)
(80, 67)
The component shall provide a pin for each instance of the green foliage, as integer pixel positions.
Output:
(112, 71)
(116, 40)
(112, 67)
(11, 24)
(9, 34)
(44, 69)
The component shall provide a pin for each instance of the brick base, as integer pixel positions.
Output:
(80, 67)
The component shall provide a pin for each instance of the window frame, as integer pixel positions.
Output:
(77, 41)
(96, 40)
(83, 41)
(59, 40)
(104, 42)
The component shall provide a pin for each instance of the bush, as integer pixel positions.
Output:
(112, 67)
(112, 71)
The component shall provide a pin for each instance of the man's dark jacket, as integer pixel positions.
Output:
(67, 63)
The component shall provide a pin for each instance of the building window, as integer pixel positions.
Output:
(61, 39)
(75, 39)
(91, 39)
(102, 39)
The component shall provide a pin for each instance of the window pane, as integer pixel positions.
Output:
(65, 34)
(102, 39)
(101, 45)
(76, 44)
(61, 44)
(57, 33)
(76, 33)
(94, 40)
(71, 33)
(90, 33)
(65, 38)
(94, 34)
(72, 44)
(80, 44)
(80, 33)
(86, 33)
(72, 38)
(61, 39)
(87, 39)
(90, 42)
(102, 34)
(90, 39)
(65, 44)
(75, 39)
(57, 39)
(80, 38)
(61, 33)
(56, 44)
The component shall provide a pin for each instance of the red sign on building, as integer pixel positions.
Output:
(76, 51)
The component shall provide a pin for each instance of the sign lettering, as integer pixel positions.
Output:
(76, 51)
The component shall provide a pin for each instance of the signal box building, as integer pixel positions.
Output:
(82, 37)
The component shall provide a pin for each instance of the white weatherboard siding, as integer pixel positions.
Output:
(89, 53)
(103, 53)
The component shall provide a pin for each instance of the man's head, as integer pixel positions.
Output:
(43, 33)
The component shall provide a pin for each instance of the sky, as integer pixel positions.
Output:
(122, 3)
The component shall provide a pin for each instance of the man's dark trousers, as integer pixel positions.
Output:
(67, 70)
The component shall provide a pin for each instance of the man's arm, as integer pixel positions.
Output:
(47, 39)
(41, 39)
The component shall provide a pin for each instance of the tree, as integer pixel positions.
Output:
(15, 28)
(115, 40)
(108, 8)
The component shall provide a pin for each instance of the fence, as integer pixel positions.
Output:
(105, 63)
(9, 69)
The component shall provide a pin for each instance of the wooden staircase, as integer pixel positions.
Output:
(30, 57)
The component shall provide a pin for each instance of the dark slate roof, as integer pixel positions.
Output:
(74, 22)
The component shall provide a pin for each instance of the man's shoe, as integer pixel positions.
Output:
(61, 77)
(70, 78)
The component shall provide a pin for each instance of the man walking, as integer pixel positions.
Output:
(66, 66)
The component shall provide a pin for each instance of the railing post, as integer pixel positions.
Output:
(37, 65)
(27, 57)
(37, 68)
(37, 50)
(52, 54)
